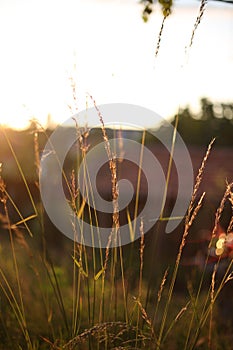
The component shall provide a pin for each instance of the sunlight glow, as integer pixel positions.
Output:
(113, 51)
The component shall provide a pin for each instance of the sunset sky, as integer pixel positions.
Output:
(113, 51)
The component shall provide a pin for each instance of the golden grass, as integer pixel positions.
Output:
(98, 297)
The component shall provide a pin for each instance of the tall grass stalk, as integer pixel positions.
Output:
(201, 11)
(141, 252)
(17, 306)
(191, 215)
(138, 183)
(218, 214)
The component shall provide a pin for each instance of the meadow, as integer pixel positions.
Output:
(158, 292)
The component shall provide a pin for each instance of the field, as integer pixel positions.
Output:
(157, 292)
(117, 237)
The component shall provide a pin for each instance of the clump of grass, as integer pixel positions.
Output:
(16, 301)
(167, 11)
(86, 301)
(77, 312)
(191, 215)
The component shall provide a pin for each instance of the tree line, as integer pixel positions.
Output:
(214, 120)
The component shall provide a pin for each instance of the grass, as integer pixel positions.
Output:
(90, 298)
(79, 297)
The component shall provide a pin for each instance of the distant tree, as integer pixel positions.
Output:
(214, 120)
(207, 109)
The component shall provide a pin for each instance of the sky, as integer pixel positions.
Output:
(110, 54)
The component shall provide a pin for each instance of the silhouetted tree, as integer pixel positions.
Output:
(200, 129)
